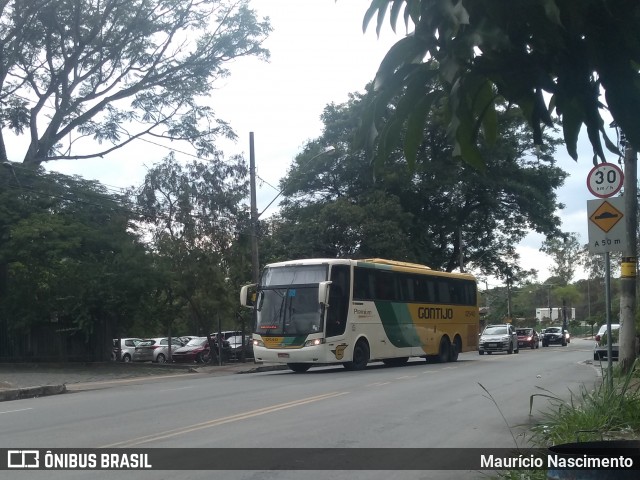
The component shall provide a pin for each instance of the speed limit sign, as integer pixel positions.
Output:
(605, 180)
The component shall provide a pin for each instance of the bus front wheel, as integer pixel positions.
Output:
(360, 356)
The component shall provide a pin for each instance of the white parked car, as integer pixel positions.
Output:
(126, 349)
(498, 338)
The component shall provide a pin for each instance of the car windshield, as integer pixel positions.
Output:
(495, 331)
(196, 342)
(524, 331)
(553, 330)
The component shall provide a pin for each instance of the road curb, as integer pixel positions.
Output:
(31, 392)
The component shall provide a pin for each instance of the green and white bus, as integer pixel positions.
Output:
(331, 311)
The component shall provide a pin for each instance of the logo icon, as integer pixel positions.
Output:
(23, 459)
(339, 351)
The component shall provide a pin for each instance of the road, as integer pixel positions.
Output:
(420, 405)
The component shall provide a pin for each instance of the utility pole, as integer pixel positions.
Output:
(627, 341)
(255, 258)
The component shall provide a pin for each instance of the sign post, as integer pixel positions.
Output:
(607, 233)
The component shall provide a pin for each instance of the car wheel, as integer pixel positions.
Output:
(517, 350)
(299, 367)
(161, 358)
(481, 352)
(360, 356)
(510, 350)
(596, 356)
(564, 344)
(126, 358)
(533, 345)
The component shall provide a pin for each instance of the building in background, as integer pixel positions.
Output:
(554, 314)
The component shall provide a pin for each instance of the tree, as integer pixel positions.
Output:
(67, 250)
(545, 56)
(192, 214)
(116, 71)
(417, 215)
(566, 253)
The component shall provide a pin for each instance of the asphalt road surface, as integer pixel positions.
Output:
(477, 402)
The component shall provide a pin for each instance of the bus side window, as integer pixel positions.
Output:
(386, 286)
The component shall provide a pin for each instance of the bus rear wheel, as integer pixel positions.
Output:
(444, 352)
(299, 367)
(360, 356)
(456, 347)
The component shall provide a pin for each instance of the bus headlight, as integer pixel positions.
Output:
(258, 343)
(314, 342)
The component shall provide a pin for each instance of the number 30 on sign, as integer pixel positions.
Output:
(605, 180)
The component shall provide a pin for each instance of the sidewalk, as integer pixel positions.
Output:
(28, 380)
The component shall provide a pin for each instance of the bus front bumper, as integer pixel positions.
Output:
(315, 355)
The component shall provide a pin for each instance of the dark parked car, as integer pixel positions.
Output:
(195, 351)
(600, 349)
(554, 336)
(528, 337)
(235, 343)
(498, 338)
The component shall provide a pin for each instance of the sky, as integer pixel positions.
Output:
(319, 54)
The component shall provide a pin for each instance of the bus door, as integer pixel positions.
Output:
(338, 309)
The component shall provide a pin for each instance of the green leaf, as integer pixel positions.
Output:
(572, 118)
(379, 6)
(395, 11)
(406, 51)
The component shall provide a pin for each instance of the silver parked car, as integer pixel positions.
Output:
(498, 338)
(155, 349)
(126, 349)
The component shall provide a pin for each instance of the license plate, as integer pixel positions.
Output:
(493, 344)
(283, 355)
(520, 344)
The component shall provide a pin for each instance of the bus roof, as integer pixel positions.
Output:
(381, 262)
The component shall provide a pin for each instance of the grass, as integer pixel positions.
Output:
(603, 413)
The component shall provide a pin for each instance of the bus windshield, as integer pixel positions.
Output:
(289, 311)
(292, 275)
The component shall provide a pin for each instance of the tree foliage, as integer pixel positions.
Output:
(546, 56)
(566, 253)
(114, 71)
(192, 214)
(422, 214)
(67, 253)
